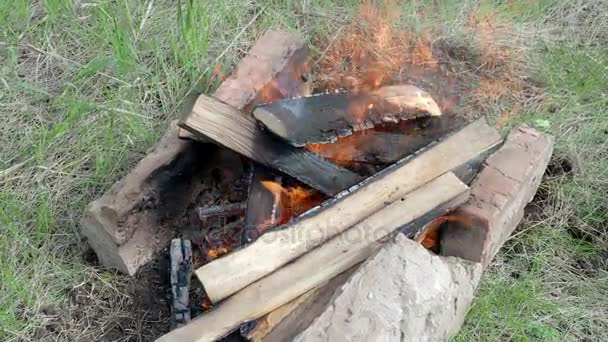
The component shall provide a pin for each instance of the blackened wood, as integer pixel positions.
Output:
(229, 127)
(383, 145)
(181, 272)
(323, 118)
(260, 202)
(231, 209)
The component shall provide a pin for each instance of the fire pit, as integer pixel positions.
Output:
(278, 195)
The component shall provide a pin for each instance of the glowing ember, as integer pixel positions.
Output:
(217, 252)
(430, 238)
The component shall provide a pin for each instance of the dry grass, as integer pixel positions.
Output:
(88, 86)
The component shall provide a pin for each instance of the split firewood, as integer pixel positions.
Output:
(240, 268)
(337, 255)
(231, 128)
(181, 271)
(323, 118)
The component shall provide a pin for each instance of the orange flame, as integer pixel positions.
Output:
(289, 202)
(429, 239)
(369, 53)
(217, 252)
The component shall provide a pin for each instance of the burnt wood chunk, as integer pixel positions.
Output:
(387, 143)
(260, 202)
(181, 271)
(323, 118)
(126, 226)
(231, 128)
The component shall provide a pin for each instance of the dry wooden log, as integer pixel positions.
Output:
(231, 128)
(256, 330)
(322, 118)
(181, 272)
(236, 270)
(337, 255)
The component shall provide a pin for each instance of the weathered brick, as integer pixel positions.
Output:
(506, 184)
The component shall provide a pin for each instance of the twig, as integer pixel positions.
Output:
(328, 46)
(146, 16)
(56, 56)
(232, 209)
(6, 172)
(238, 35)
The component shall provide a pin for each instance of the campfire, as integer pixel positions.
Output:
(330, 175)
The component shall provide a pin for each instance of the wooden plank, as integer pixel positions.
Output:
(236, 270)
(337, 255)
(258, 329)
(229, 127)
(305, 313)
(323, 118)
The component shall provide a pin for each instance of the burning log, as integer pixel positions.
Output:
(181, 271)
(324, 117)
(260, 202)
(227, 275)
(337, 255)
(231, 128)
(387, 144)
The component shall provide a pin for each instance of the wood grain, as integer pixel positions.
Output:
(323, 118)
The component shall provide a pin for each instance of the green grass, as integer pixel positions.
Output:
(88, 86)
